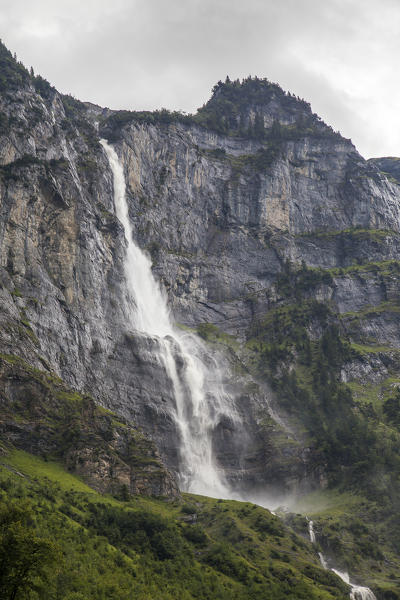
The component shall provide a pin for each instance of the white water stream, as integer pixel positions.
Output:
(358, 592)
(200, 398)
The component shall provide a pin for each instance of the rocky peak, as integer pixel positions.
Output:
(257, 108)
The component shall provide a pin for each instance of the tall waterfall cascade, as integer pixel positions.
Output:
(200, 397)
(358, 592)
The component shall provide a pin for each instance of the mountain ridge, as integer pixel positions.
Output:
(279, 247)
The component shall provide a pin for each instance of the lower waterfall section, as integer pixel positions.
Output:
(199, 395)
(358, 592)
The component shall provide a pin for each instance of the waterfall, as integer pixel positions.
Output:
(311, 531)
(322, 560)
(200, 398)
(357, 591)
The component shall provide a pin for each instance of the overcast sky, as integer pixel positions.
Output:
(341, 55)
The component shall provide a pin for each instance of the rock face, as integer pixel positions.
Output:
(220, 215)
(229, 228)
(40, 415)
(389, 165)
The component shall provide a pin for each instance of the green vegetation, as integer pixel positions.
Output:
(389, 166)
(300, 348)
(113, 125)
(13, 74)
(384, 268)
(76, 121)
(72, 106)
(51, 470)
(228, 106)
(227, 112)
(11, 171)
(357, 535)
(27, 329)
(295, 282)
(391, 409)
(259, 161)
(70, 428)
(211, 333)
(43, 87)
(371, 311)
(25, 557)
(354, 233)
(120, 546)
(311, 390)
(191, 548)
(353, 430)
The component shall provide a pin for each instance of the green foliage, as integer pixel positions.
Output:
(296, 282)
(13, 74)
(227, 112)
(76, 122)
(11, 171)
(143, 549)
(43, 87)
(4, 123)
(189, 509)
(112, 126)
(259, 161)
(384, 268)
(283, 332)
(195, 534)
(305, 374)
(213, 335)
(72, 106)
(391, 409)
(357, 534)
(25, 557)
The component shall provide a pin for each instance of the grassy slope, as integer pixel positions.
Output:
(192, 547)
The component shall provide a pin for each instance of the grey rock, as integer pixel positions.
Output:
(219, 230)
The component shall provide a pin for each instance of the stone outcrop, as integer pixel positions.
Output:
(41, 415)
(220, 216)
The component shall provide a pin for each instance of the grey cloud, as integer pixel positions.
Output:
(340, 55)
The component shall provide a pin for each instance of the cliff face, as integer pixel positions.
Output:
(41, 415)
(219, 229)
(222, 216)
